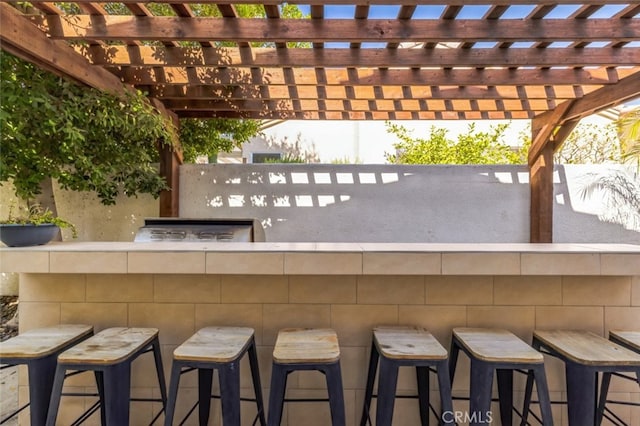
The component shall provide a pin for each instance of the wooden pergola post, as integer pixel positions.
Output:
(170, 169)
(541, 187)
(170, 160)
(548, 133)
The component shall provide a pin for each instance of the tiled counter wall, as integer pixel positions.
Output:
(179, 304)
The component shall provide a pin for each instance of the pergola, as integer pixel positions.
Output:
(554, 62)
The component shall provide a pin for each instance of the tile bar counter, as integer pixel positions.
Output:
(350, 287)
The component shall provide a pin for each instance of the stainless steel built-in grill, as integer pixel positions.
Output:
(200, 230)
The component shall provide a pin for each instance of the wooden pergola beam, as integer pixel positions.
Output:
(359, 115)
(391, 92)
(21, 38)
(194, 76)
(626, 89)
(383, 2)
(170, 28)
(153, 56)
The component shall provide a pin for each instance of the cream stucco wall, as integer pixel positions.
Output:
(391, 203)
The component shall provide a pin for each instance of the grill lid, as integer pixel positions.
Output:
(196, 230)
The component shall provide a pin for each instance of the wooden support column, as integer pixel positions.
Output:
(541, 186)
(548, 134)
(170, 160)
(170, 169)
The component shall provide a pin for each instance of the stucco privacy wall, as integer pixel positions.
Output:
(390, 203)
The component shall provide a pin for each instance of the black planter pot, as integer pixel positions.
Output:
(17, 235)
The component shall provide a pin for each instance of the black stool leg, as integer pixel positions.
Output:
(422, 377)
(257, 387)
(230, 393)
(99, 375)
(276, 396)
(480, 398)
(543, 395)
(604, 390)
(174, 383)
(157, 356)
(505, 395)
(581, 387)
(371, 377)
(387, 383)
(527, 398)
(205, 381)
(117, 389)
(41, 376)
(336, 394)
(444, 385)
(453, 359)
(56, 394)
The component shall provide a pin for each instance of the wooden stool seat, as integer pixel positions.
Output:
(406, 346)
(109, 354)
(500, 352)
(39, 349)
(215, 344)
(110, 346)
(306, 349)
(586, 348)
(221, 349)
(41, 342)
(407, 343)
(300, 345)
(629, 339)
(585, 355)
(497, 345)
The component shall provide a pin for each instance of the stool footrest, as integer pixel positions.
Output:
(306, 400)
(15, 413)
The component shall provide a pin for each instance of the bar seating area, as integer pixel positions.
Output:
(352, 289)
(51, 353)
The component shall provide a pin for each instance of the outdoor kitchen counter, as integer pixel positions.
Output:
(350, 287)
(324, 258)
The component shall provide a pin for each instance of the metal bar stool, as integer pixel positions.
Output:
(38, 350)
(394, 347)
(585, 355)
(110, 354)
(502, 352)
(216, 348)
(631, 341)
(306, 349)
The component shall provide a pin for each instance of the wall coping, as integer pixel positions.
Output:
(273, 258)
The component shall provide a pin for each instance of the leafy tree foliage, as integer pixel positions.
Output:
(86, 139)
(473, 147)
(590, 143)
(209, 137)
(629, 129)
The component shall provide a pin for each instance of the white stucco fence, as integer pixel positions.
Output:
(383, 203)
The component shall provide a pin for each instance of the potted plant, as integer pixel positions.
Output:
(36, 227)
